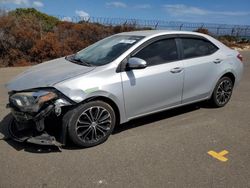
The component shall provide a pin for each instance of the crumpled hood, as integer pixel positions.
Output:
(47, 74)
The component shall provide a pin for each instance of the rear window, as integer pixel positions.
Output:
(193, 47)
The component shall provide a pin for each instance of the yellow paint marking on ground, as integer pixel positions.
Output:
(219, 156)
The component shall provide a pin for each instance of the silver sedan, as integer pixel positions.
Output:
(117, 79)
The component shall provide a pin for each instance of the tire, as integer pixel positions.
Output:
(91, 124)
(222, 92)
(4, 127)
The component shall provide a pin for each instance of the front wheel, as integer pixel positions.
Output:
(91, 123)
(222, 92)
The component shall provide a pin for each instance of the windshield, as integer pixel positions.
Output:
(106, 50)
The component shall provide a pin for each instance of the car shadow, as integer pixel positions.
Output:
(32, 148)
(158, 117)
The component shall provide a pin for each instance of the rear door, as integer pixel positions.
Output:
(157, 86)
(200, 63)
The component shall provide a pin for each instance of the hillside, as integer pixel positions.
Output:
(28, 37)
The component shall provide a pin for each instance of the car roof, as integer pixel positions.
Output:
(154, 33)
(148, 33)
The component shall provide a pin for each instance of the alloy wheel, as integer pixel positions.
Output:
(224, 92)
(93, 124)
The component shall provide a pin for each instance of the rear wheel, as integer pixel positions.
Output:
(222, 92)
(91, 123)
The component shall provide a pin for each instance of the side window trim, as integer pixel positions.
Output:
(150, 41)
(144, 45)
(179, 47)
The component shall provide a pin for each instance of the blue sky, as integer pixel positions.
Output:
(209, 11)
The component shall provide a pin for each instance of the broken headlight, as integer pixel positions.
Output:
(31, 101)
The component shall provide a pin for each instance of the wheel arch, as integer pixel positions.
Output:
(229, 75)
(111, 102)
(108, 101)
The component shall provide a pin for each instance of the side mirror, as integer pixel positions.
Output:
(136, 63)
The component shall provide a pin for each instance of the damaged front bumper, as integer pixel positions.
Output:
(42, 127)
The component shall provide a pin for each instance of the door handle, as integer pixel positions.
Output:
(217, 61)
(176, 70)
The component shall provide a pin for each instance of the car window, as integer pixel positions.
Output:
(107, 50)
(159, 52)
(197, 47)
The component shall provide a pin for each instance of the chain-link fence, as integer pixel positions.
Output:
(242, 31)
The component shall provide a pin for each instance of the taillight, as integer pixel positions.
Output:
(239, 56)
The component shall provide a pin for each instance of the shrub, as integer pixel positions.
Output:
(228, 38)
(202, 30)
(28, 36)
(47, 22)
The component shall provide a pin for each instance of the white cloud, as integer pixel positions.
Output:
(184, 10)
(17, 2)
(116, 4)
(143, 6)
(67, 19)
(233, 13)
(38, 4)
(179, 9)
(119, 4)
(3, 12)
(23, 3)
(82, 14)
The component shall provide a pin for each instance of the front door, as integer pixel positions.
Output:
(159, 85)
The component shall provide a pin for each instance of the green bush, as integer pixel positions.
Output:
(47, 22)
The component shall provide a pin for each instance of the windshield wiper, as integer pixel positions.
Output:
(73, 59)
